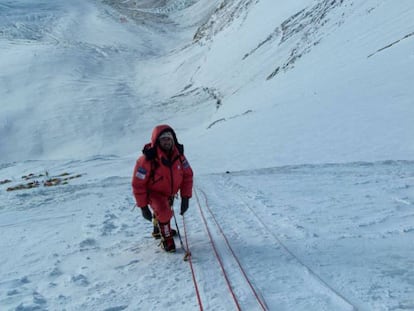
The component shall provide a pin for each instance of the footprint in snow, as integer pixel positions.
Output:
(108, 224)
(88, 243)
(55, 272)
(39, 303)
(80, 280)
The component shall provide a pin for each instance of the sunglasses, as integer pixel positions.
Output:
(165, 138)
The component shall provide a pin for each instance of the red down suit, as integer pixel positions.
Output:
(158, 177)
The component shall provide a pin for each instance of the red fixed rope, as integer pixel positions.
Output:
(218, 256)
(191, 267)
(260, 300)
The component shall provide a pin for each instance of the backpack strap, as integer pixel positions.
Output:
(150, 153)
(180, 148)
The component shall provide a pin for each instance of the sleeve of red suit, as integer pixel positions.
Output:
(140, 181)
(186, 189)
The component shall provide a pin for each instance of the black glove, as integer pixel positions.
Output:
(184, 205)
(146, 213)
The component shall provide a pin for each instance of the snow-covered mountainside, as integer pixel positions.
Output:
(296, 116)
(296, 80)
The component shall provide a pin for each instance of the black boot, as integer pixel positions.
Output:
(167, 237)
(156, 231)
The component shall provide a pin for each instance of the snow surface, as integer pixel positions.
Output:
(297, 119)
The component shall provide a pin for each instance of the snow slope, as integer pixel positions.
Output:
(296, 118)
